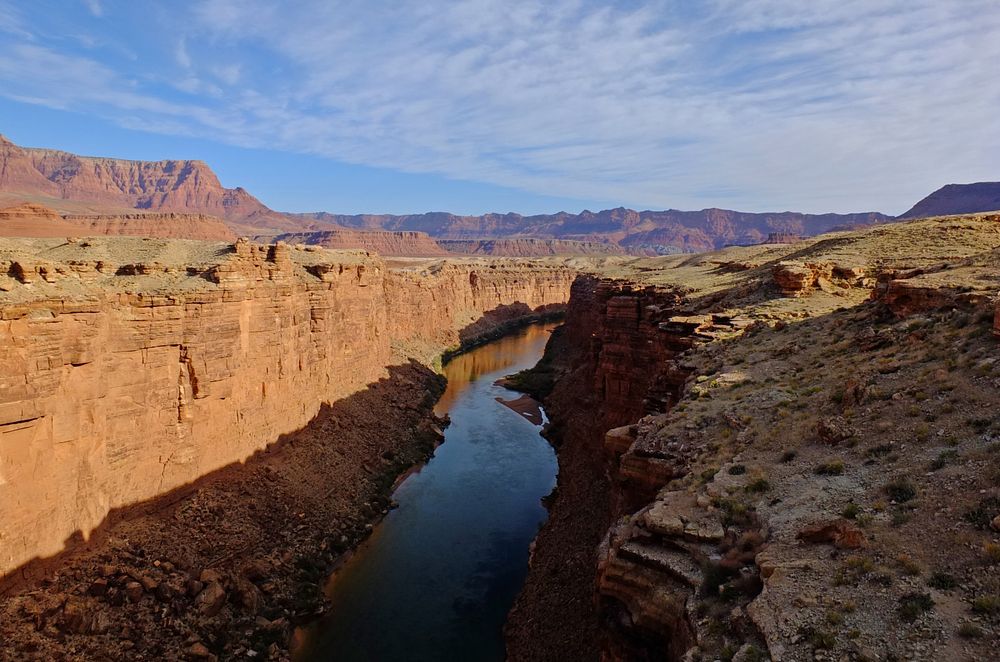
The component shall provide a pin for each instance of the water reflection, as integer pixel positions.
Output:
(437, 577)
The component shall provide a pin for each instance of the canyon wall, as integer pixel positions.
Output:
(35, 220)
(612, 362)
(410, 244)
(616, 364)
(122, 384)
(528, 247)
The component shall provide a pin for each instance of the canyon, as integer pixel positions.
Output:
(749, 441)
(135, 370)
(774, 431)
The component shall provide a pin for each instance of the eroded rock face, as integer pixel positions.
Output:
(409, 244)
(34, 220)
(526, 247)
(153, 375)
(796, 278)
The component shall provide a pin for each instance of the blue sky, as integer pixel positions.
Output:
(474, 105)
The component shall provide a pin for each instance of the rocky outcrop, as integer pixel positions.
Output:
(35, 220)
(795, 279)
(164, 225)
(958, 199)
(401, 244)
(212, 359)
(523, 247)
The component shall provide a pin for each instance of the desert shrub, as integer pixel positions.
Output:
(900, 489)
(969, 631)
(942, 581)
(850, 511)
(908, 565)
(737, 470)
(981, 516)
(830, 468)
(991, 552)
(879, 451)
(943, 458)
(912, 605)
(986, 604)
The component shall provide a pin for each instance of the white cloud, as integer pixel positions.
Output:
(181, 53)
(755, 104)
(95, 7)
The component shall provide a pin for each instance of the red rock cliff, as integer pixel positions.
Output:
(125, 380)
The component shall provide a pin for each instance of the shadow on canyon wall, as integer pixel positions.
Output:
(352, 449)
(502, 320)
(312, 442)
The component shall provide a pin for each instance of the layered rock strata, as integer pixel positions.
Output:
(528, 247)
(35, 220)
(124, 381)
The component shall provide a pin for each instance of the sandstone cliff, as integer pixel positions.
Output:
(409, 244)
(34, 220)
(133, 367)
(529, 247)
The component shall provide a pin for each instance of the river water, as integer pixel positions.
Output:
(438, 575)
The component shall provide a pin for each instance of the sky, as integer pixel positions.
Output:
(537, 106)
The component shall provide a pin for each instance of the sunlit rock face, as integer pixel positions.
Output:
(148, 364)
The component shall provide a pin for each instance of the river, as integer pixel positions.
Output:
(438, 575)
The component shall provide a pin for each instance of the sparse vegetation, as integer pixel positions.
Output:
(943, 459)
(912, 605)
(986, 604)
(970, 631)
(830, 468)
(942, 581)
(908, 565)
(900, 489)
(981, 516)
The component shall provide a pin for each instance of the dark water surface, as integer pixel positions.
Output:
(437, 577)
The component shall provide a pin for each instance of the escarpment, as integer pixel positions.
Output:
(411, 244)
(133, 367)
(34, 220)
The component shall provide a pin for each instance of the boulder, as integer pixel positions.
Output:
(211, 600)
(842, 533)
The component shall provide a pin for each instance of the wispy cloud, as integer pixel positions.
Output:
(827, 105)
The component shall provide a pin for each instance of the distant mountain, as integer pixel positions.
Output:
(69, 184)
(108, 185)
(958, 199)
(642, 232)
